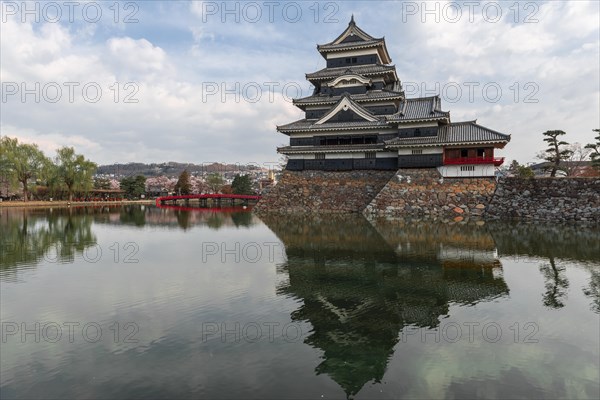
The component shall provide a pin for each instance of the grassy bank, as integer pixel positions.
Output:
(65, 203)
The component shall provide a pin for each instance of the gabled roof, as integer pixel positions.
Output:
(370, 96)
(364, 70)
(467, 132)
(352, 30)
(348, 76)
(420, 108)
(355, 38)
(344, 104)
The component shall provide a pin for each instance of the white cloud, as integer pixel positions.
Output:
(172, 59)
(136, 55)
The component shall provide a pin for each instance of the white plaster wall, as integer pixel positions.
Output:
(301, 156)
(454, 171)
(331, 156)
(357, 52)
(426, 150)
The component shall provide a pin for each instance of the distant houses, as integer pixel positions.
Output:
(566, 168)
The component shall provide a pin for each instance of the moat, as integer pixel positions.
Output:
(139, 302)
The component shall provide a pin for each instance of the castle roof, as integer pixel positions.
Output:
(371, 95)
(365, 70)
(420, 108)
(354, 38)
(331, 149)
(468, 132)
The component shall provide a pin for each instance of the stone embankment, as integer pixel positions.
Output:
(423, 192)
(323, 191)
(547, 199)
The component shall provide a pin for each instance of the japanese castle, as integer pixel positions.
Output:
(359, 118)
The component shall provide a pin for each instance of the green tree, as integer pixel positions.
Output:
(525, 172)
(133, 186)
(555, 152)
(50, 177)
(74, 171)
(521, 171)
(595, 147)
(183, 185)
(7, 176)
(242, 185)
(215, 182)
(24, 160)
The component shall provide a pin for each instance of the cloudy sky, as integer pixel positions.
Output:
(151, 81)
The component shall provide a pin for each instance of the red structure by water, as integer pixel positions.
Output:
(204, 197)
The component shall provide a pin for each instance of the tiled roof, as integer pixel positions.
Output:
(350, 148)
(309, 125)
(352, 29)
(369, 96)
(369, 69)
(456, 133)
(350, 45)
(419, 109)
(354, 38)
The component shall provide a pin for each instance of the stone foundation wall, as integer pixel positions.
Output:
(422, 192)
(323, 191)
(547, 199)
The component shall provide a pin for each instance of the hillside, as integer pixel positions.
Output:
(169, 169)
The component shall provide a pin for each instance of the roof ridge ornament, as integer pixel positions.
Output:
(352, 20)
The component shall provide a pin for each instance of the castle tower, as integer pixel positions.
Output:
(358, 118)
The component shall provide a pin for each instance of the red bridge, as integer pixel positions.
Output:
(203, 199)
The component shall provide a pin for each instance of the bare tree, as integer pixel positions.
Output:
(574, 165)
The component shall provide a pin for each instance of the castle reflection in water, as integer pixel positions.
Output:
(359, 284)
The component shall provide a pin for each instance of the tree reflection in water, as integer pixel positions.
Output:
(30, 235)
(557, 244)
(58, 234)
(556, 284)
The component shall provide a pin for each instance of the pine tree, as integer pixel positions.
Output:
(555, 151)
(242, 185)
(595, 147)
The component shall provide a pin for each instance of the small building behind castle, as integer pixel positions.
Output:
(358, 118)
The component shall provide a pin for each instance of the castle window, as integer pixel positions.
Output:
(464, 153)
(353, 60)
(320, 156)
(417, 132)
(370, 154)
(467, 168)
(417, 151)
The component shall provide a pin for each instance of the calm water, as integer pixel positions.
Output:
(141, 302)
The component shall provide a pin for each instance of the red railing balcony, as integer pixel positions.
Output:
(497, 161)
